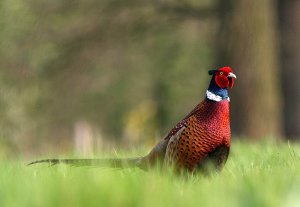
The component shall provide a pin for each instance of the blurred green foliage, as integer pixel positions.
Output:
(88, 75)
(97, 61)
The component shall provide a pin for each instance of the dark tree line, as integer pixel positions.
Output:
(248, 42)
(261, 41)
(106, 63)
(289, 24)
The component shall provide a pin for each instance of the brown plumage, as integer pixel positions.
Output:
(200, 140)
(202, 137)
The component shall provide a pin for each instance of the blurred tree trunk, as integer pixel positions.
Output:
(290, 49)
(246, 41)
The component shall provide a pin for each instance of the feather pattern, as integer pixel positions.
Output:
(201, 138)
(205, 131)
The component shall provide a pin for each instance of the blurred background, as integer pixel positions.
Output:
(85, 76)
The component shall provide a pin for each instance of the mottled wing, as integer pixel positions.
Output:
(183, 122)
(191, 145)
(171, 151)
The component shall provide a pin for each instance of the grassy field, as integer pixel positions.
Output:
(264, 174)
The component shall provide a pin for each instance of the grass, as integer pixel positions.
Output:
(264, 174)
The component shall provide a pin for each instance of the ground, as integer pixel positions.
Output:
(261, 174)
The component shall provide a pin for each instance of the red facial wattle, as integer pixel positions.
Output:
(222, 81)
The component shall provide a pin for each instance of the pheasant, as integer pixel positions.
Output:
(201, 139)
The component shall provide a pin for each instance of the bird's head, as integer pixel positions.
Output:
(223, 77)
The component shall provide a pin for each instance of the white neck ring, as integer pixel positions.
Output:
(214, 97)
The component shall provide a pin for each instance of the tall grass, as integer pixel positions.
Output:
(264, 174)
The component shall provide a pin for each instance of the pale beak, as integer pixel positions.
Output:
(231, 75)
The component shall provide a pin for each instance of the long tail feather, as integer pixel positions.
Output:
(114, 162)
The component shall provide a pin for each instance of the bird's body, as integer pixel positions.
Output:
(201, 138)
(195, 141)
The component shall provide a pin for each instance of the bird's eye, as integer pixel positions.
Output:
(221, 73)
